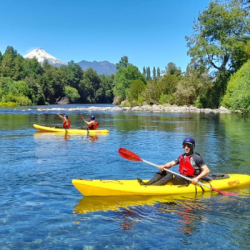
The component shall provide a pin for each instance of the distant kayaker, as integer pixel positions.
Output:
(190, 163)
(66, 121)
(92, 124)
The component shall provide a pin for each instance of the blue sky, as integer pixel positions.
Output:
(150, 33)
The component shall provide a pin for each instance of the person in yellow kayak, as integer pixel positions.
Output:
(66, 121)
(92, 124)
(190, 163)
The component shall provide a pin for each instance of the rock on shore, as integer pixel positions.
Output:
(146, 108)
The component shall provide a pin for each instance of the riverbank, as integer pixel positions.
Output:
(145, 108)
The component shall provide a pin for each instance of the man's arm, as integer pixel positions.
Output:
(204, 172)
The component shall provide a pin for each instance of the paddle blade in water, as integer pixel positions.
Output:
(222, 192)
(129, 155)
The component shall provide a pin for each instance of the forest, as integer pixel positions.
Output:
(218, 73)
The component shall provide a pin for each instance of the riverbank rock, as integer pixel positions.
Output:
(146, 108)
(62, 101)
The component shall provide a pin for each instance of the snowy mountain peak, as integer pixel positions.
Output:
(42, 55)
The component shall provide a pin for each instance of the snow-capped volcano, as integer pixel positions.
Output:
(42, 55)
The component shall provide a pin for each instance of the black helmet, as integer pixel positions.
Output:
(66, 116)
(189, 140)
(92, 117)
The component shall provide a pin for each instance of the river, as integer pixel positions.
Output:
(41, 209)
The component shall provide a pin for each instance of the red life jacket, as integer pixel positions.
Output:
(186, 167)
(66, 126)
(94, 126)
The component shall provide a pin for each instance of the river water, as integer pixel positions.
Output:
(41, 209)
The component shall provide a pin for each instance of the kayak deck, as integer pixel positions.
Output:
(132, 187)
(69, 131)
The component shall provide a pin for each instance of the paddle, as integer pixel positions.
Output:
(85, 122)
(131, 156)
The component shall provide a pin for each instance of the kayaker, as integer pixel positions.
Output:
(66, 121)
(190, 163)
(92, 124)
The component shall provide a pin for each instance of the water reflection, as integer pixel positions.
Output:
(64, 136)
(131, 209)
(93, 138)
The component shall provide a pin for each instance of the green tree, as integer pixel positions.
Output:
(90, 87)
(1, 58)
(168, 83)
(123, 79)
(8, 65)
(152, 92)
(107, 84)
(154, 74)
(172, 69)
(18, 68)
(53, 82)
(237, 95)
(72, 94)
(158, 73)
(135, 91)
(219, 39)
(192, 88)
(122, 63)
(32, 68)
(14, 91)
(74, 74)
(36, 91)
(148, 73)
(144, 72)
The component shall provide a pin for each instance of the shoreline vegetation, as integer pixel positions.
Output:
(8, 104)
(147, 108)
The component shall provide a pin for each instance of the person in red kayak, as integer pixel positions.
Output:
(92, 124)
(190, 163)
(66, 121)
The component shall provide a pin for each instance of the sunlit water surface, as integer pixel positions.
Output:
(41, 209)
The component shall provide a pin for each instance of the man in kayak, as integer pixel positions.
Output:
(92, 124)
(66, 121)
(190, 163)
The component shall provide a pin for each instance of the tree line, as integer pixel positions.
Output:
(27, 82)
(217, 74)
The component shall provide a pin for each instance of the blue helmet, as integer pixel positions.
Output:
(66, 116)
(92, 117)
(189, 140)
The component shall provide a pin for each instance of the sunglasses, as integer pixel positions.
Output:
(187, 145)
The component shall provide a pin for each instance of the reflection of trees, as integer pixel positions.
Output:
(131, 121)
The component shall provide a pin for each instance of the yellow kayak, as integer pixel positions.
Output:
(70, 131)
(132, 187)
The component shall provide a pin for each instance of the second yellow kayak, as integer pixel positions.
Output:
(69, 131)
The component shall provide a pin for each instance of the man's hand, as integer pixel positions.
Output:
(195, 180)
